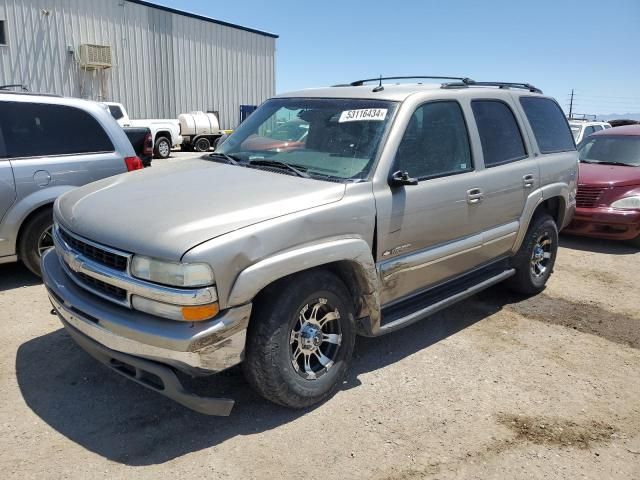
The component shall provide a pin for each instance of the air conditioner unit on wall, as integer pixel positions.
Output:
(94, 57)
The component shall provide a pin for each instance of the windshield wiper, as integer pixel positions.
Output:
(279, 164)
(605, 162)
(229, 158)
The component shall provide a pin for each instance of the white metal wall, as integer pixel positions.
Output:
(164, 63)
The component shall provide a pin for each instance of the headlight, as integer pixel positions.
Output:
(627, 203)
(170, 273)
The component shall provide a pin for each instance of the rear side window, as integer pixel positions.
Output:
(436, 142)
(499, 133)
(116, 112)
(549, 125)
(588, 131)
(38, 129)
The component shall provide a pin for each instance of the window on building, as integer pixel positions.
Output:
(37, 130)
(548, 124)
(499, 132)
(435, 143)
(3, 32)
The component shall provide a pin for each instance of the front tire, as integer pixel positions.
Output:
(537, 255)
(162, 148)
(300, 339)
(35, 239)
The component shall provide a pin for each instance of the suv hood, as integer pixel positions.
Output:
(608, 175)
(164, 211)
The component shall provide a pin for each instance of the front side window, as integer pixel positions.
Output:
(549, 125)
(435, 143)
(38, 130)
(610, 149)
(499, 132)
(326, 138)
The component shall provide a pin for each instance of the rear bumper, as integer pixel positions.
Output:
(605, 222)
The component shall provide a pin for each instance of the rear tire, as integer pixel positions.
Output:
(537, 255)
(202, 145)
(35, 239)
(162, 148)
(300, 339)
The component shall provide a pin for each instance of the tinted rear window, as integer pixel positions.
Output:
(548, 124)
(38, 129)
(499, 133)
(116, 112)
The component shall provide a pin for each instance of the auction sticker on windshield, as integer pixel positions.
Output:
(369, 114)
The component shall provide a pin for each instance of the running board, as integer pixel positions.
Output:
(426, 308)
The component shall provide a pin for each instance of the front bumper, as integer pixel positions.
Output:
(198, 348)
(605, 222)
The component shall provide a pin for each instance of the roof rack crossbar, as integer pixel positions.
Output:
(359, 83)
(23, 88)
(524, 86)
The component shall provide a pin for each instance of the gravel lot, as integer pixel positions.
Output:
(496, 387)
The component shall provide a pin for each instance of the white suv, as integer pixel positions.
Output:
(581, 129)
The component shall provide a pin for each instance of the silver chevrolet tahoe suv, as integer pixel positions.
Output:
(387, 203)
(48, 146)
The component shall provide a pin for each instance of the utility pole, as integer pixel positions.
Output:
(571, 105)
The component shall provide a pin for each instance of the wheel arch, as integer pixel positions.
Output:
(349, 259)
(25, 209)
(551, 199)
(162, 134)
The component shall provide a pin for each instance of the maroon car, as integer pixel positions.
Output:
(608, 198)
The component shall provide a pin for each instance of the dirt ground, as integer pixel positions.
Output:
(495, 387)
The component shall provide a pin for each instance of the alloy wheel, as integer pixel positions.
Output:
(541, 256)
(315, 339)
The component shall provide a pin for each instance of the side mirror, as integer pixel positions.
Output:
(400, 178)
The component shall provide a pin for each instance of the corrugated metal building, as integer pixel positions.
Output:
(165, 61)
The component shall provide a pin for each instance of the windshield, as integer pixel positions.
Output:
(324, 137)
(610, 149)
(575, 130)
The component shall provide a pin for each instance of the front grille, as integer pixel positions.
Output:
(109, 259)
(588, 196)
(110, 290)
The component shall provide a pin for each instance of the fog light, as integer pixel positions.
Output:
(195, 313)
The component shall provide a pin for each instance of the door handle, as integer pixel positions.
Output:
(528, 180)
(474, 196)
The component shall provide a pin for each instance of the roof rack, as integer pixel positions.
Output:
(359, 83)
(471, 83)
(583, 117)
(23, 88)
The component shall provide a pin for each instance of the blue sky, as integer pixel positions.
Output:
(591, 46)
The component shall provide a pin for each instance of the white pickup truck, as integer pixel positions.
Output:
(165, 132)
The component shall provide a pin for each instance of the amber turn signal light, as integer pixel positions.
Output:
(198, 313)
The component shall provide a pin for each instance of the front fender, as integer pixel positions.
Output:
(355, 250)
(21, 210)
